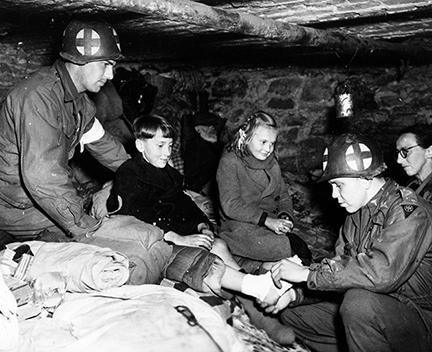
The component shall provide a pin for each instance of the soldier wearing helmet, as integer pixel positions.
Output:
(44, 120)
(375, 294)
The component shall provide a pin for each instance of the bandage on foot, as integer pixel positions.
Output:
(263, 288)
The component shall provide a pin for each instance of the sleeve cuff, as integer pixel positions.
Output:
(285, 215)
(262, 219)
(299, 298)
(205, 226)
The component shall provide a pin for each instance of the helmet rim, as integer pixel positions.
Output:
(350, 155)
(86, 60)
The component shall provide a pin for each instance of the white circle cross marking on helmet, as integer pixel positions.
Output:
(325, 158)
(358, 157)
(88, 41)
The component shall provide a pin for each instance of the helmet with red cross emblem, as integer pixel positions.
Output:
(88, 41)
(351, 155)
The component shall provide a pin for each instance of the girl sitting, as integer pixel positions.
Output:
(256, 209)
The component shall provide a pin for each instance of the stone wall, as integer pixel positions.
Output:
(16, 63)
(302, 100)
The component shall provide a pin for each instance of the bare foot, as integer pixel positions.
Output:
(273, 292)
(282, 303)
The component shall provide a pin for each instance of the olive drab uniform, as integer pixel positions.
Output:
(42, 121)
(381, 274)
(384, 247)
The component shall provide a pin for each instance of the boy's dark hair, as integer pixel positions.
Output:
(145, 127)
(422, 133)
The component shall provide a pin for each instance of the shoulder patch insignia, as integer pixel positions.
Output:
(408, 209)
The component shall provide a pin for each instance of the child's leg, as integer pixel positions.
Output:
(221, 249)
(257, 286)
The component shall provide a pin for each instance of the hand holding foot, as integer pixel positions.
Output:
(263, 288)
(274, 292)
(289, 270)
(283, 302)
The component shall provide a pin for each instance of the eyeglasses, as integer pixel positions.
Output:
(404, 151)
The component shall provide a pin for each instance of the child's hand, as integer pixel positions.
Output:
(289, 270)
(279, 226)
(203, 240)
(208, 233)
(198, 240)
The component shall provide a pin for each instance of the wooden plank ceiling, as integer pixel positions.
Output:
(313, 32)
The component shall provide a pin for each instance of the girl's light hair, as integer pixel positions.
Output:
(245, 132)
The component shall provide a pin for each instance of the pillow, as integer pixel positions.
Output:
(140, 242)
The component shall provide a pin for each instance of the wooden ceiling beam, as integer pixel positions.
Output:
(241, 23)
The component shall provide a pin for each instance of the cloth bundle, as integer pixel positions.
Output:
(86, 267)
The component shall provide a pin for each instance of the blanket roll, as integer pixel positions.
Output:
(86, 267)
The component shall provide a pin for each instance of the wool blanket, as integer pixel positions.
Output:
(86, 267)
(130, 319)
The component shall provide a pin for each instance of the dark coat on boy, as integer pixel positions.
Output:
(156, 196)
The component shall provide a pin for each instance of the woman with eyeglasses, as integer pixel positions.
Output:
(414, 154)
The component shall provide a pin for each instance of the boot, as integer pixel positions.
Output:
(280, 333)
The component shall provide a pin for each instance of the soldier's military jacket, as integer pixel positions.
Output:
(42, 120)
(384, 247)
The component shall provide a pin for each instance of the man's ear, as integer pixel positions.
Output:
(428, 152)
(139, 144)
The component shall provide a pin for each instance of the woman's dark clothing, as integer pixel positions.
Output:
(155, 195)
(423, 189)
